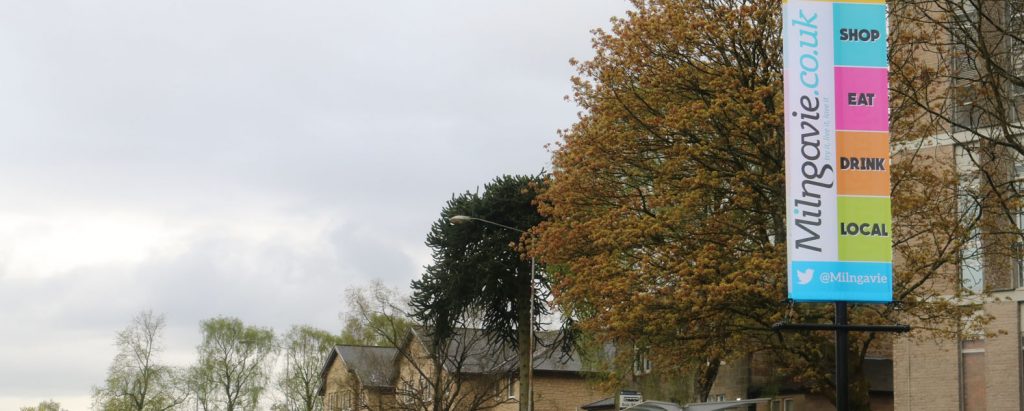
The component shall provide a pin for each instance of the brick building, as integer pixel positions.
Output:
(474, 374)
(978, 48)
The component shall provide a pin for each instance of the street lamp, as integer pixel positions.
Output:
(459, 219)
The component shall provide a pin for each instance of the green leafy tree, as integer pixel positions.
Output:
(236, 360)
(480, 268)
(304, 348)
(201, 388)
(378, 316)
(136, 380)
(45, 406)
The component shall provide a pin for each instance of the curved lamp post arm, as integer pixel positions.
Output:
(459, 219)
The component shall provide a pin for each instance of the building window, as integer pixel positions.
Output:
(642, 365)
(1017, 48)
(782, 404)
(997, 265)
(972, 273)
(972, 374)
(332, 402)
(963, 69)
(511, 386)
(1020, 348)
(346, 402)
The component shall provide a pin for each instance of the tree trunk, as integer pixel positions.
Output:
(706, 377)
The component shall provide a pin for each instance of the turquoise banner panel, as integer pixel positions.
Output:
(860, 35)
(840, 281)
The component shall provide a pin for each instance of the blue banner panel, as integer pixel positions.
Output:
(860, 35)
(840, 281)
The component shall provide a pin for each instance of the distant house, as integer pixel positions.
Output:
(471, 373)
(358, 378)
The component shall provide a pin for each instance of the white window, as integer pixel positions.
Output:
(642, 365)
(511, 386)
(970, 191)
(1015, 31)
(972, 273)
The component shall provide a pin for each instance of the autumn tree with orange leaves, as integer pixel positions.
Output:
(665, 229)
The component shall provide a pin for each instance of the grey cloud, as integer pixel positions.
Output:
(200, 110)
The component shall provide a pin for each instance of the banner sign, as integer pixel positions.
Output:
(837, 151)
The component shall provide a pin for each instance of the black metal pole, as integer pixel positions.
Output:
(842, 327)
(842, 365)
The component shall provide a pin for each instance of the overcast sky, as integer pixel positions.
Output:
(247, 158)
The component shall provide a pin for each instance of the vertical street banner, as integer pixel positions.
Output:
(839, 221)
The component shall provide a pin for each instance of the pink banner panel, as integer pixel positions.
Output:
(862, 99)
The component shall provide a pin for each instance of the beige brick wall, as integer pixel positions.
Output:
(563, 392)
(339, 384)
(733, 380)
(1002, 358)
(926, 375)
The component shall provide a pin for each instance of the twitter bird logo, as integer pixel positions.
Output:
(805, 276)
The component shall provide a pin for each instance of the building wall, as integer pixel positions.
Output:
(977, 374)
(378, 400)
(563, 392)
(414, 367)
(1002, 357)
(926, 375)
(733, 381)
(340, 387)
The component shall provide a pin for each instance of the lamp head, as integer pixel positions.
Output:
(459, 219)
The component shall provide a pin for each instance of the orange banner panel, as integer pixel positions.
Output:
(863, 160)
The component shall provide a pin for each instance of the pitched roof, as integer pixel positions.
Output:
(373, 365)
(471, 352)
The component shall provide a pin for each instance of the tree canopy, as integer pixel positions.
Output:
(45, 406)
(305, 348)
(479, 266)
(234, 363)
(137, 380)
(665, 214)
(479, 269)
(378, 316)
